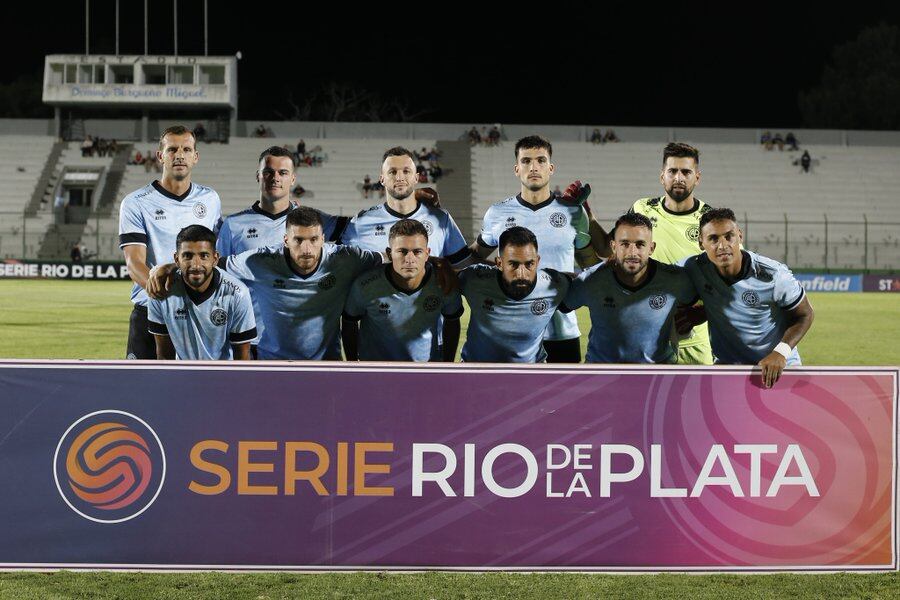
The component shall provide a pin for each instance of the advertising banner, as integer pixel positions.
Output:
(14, 269)
(820, 282)
(373, 466)
(881, 283)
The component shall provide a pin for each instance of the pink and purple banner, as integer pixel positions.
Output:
(375, 466)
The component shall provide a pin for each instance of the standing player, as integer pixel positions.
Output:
(150, 219)
(369, 229)
(561, 229)
(301, 286)
(676, 224)
(511, 304)
(632, 298)
(401, 304)
(208, 312)
(758, 312)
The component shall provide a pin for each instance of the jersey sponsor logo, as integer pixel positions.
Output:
(510, 222)
(181, 313)
(371, 278)
(546, 277)
(540, 306)
(379, 230)
(654, 221)
(657, 301)
(384, 308)
(750, 298)
(218, 317)
(278, 284)
(609, 302)
(488, 305)
(484, 273)
(199, 210)
(428, 227)
(252, 233)
(109, 466)
(327, 282)
(559, 219)
(159, 215)
(432, 303)
(692, 233)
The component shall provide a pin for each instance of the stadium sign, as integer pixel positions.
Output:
(818, 282)
(375, 466)
(881, 283)
(13, 269)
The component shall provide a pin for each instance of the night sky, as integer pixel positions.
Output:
(688, 63)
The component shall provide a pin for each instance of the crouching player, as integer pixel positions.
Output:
(757, 310)
(400, 305)
(208, 314)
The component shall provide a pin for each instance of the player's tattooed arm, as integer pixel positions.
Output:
(801, 320)
(165, 350)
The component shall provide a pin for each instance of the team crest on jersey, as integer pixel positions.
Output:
(181, 313)
(609, 302)
(428, 227)
(657, 301)
(432, 303)
(750, 298)
(558, 219)
(540, 306)
(510, 222)
(278, 284)
(488, 305)
(159, 215)
(218, 317)
(252, 233)
(379, 230)
(327, 282)
(654, 221)
(199, 210)
(384, 308)
(692, 233)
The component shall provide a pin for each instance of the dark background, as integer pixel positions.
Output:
(626, 63)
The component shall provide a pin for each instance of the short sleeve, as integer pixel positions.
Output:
(332, 226)
(156, 319)
(486, 238)
(243, 326)
(455, 248)
(350, 235)
(788, 291)
(366, 259)
(132, 229)
(223, 242)
(452, 307)
(581, 224)
(237, 266)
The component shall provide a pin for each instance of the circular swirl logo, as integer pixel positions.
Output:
(750, 298)
(199, 210)
(558, 219)
(109, 466)
(218, 317)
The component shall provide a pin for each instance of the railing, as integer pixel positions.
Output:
(825, 244)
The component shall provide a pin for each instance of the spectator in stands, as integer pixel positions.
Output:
(200, 132)
(87, 146)
(367, 186)
(610, 136)
(317, 156)
(778, 141)
(298, 191)
(473, 136)
(483, 136)
(138, 158)
(421, 173)
(301, 150)
(434, 154)
(262, 131)
(805, 161)
(435, 171)
(113, 147)
(596, 137)
(792, 142)
(75, 254)
(494, 135)
(766, 140)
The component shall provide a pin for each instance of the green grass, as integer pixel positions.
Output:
(76, 319)
(70, 319)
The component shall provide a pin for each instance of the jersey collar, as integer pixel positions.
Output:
(691, 210)
(199, 298)
(746, 269)
(651, 273)
(387, 273)
(159, 188)
(535, 207)
(258, 210)
(400, 215)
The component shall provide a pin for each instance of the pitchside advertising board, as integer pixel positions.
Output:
(332, 466)
(14, 269)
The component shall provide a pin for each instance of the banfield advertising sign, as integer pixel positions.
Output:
(243, 466)
(818, 282)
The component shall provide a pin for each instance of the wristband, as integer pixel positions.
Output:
(783, 349)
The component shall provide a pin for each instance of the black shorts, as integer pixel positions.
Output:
(141, 344)
(563, 351)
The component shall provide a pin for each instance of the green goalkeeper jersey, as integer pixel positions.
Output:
(676, 236)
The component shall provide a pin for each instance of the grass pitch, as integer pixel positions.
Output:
(72, 319)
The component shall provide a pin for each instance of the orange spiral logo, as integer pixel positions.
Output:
(109, 466)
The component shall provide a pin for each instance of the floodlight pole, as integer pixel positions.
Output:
(175, 20)
(205, 28)
(87, 27)
(117, 27)
(146, 13)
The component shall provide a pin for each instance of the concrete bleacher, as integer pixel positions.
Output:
(22, 158)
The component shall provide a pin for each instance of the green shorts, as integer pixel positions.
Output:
(700, 354)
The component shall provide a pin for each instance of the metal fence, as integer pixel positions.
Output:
(866, 245)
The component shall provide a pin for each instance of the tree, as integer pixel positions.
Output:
(860, 88)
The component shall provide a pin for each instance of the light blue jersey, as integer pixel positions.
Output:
(559, 230)
(203, 326)
(370, 228)
(254, 228)
(153, 217)
(301, 314)
(502, 329)
(631, 325)
(748, 317)
(396, 324)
